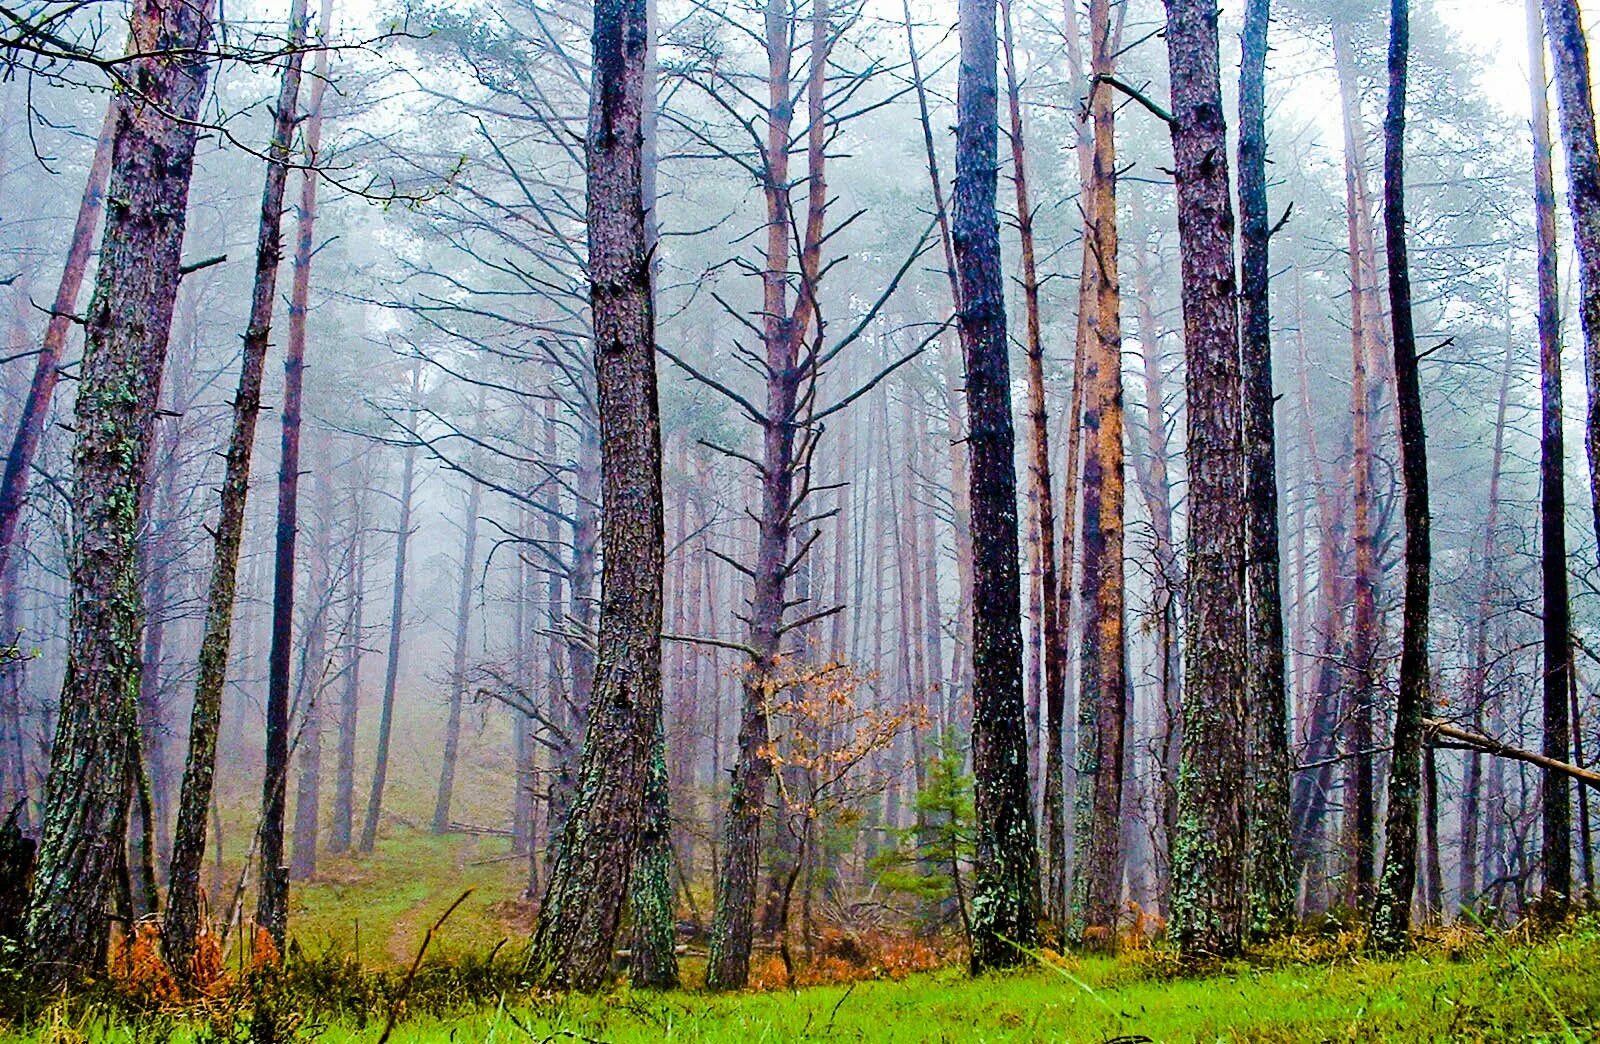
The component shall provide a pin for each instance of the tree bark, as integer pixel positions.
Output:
(1270, 875)
(1569, 48)
(341, 829)
(1103, 690)
(1208, 903)
(1006, 891)
(125, 345)
(1391, 916)
(1556, 805)
(583, 902)
(181, 924)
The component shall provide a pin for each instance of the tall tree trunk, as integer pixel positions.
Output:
(1270, 875)
(783, 330)
(1361, 807)
(458, 664)
(397, 615)
(1103, 690)
(1574, 94)
(1208, 907)
(130, 316)
(1556, 804)
(1391, 915)
(181, 924)
(583, 903)
(1041, 493)
(1006, 891)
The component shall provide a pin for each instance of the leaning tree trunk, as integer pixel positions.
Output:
(1269, 872)
(181, 924)
(1103, 682)
(1005, 899)
(1391, 914)
(583, 902)
(125, 343)
(47, 366)
(1556, 804)
(1208, 908)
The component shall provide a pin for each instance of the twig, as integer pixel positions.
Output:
(411, 973)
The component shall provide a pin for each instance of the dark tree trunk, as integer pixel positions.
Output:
(130, 316)
(1270, 875)
(1556, 805)
(1574, 93)
(1208, 907)
(181, 924)
(1006, 892)
(458, 666)
(397, 616)
(1103, 682)
(583, 903)
(1391, 914)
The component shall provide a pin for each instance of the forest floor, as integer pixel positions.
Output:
(1458, 987)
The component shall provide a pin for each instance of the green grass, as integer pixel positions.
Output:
(1499, 991)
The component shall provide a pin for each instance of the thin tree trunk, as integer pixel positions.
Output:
(47, 365)
(341, 829)
(458, 665)
(308, 689)
(397, 614)
(130, 316)
(1006, 892)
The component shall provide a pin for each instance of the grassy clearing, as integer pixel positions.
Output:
(1502, 990)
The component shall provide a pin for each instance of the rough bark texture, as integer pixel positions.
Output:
(1569, 49)
(1103, 690)
(1270, 871)
(583, 902)
(1556, 804)
(1005, 900)
(1391, 913)
(182, 921)
(130, 316)
(1208, 908)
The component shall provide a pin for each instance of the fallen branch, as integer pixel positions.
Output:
(416, 962)
(1489, 745)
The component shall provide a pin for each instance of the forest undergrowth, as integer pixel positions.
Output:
(1460, 984)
